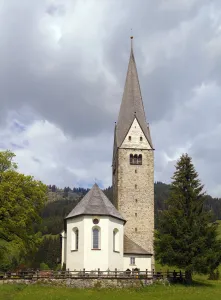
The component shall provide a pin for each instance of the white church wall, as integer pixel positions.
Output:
(75, 258)
(88, 258)
(94, 259)
(142, 262)
(63, 248)
(116, 257)
(135, 132)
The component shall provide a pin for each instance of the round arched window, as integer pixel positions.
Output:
(95, 221)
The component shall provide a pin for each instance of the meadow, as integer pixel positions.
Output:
(202, 290)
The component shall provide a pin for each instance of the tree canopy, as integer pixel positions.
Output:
(21, 200)
(186, 238)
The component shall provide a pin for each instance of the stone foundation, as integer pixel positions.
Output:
(84, 283)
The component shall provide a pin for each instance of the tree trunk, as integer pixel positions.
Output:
(188, 277)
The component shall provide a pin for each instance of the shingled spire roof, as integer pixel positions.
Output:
(132, 104)
(96, 203)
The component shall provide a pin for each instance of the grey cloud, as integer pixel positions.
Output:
(174, 49)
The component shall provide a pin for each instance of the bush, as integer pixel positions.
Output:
(44, 266)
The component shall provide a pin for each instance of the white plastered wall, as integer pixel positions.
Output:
(142, 262)
(135, 132)
(116, 258)
(63, 247)
(75, 259)
(87, 258)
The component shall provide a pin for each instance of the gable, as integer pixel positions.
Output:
(135, 132)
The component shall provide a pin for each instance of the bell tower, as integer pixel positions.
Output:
(133, 163)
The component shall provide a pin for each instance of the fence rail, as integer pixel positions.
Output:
(128, 274)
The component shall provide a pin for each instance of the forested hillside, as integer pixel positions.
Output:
(62, 201)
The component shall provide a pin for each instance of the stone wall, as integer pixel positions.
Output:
(84, 283)
(135, 196)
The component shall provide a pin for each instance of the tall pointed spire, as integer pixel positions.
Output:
(132, 104)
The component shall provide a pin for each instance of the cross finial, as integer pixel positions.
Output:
(131, 37)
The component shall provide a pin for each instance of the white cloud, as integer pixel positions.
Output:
(44, 151)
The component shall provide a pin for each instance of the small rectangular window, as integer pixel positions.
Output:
(132, 260)
(135, 214)
(129, 138)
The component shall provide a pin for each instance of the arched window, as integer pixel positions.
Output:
(96, 237)
(129, 138)
(135, 159)
(75, 239)
(131, 159)
(116, 242)
(141, 138)
(140, 159)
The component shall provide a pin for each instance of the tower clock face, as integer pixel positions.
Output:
(95, 221)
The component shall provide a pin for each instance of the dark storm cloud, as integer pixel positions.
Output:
(75, 78)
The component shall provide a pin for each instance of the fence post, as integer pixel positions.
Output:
(115, 272)
(37, 274)
(153, 273)
(83, 272)
(98, 272)
(146, 273)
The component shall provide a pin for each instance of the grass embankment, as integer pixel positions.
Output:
(203, 290)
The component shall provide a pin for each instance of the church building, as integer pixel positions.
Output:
(102, 235)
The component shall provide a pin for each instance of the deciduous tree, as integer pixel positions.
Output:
(21, 200)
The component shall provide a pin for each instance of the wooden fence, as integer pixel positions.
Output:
(173, 276)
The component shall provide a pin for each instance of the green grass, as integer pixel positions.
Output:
(202, 290)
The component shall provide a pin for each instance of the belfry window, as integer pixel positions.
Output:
(139, 161)
(131, 159)
(136, 159)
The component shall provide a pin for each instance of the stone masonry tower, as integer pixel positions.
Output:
(133, 163)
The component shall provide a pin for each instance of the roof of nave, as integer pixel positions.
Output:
(130, 247)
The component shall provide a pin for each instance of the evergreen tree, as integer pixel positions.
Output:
(186, 238)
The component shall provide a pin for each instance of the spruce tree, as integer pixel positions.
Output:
(186, 238)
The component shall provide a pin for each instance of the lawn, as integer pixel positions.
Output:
(202, 290)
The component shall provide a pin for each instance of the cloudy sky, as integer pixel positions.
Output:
(62, 70)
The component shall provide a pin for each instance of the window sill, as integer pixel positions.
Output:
(74, 250)
(95, 249)
(116, 251)
(132, 265)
